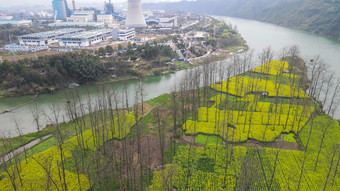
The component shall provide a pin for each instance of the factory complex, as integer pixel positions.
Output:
(69, 37)
(100, 26)
(45, 38)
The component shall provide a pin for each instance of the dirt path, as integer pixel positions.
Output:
(278, 143)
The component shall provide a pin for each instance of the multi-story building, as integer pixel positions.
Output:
(80, 18)
(168, 22)
(91, 14)
(123, 34)
(85, 38)
(60, 9)
(45, 38)
(107, 19)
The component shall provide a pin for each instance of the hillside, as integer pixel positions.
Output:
(318, 16)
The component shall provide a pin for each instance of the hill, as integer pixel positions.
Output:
(317, 16)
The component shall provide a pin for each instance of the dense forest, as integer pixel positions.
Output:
(243, 124)
(318, 16)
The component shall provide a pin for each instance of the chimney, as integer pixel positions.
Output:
(74, 5)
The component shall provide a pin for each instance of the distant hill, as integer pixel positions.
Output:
(318, 16)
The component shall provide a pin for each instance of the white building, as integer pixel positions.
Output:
(62, 49)
(123, 34)
(16, 22)
(45, 38)
(85, 38)
(80, 18)
(107, 19)
(91, 14)
(77, 24)
(24, 48)
(168, 22)
(5, 17)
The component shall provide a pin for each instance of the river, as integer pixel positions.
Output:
(258, 35)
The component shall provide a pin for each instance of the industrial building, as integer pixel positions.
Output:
(91, 14)
(16, 22)
(45, 38)
(85, 38)
(135, 17)
(168, 22)
(107, 19)
(60, 9)
(108, 8)
(123, 34)
(23, 48)
(80, 18)
(77, 24)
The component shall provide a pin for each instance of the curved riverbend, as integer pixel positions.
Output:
(258, 35)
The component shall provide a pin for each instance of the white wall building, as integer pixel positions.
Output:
(80, 18)
(168, 22)
(45, 38)
(85, 38)
(5, 17)
(23, 48)
(123, 34)
(90, 13)
(107, 19)
(16, 22)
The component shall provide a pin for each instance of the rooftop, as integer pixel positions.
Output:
(14, 20)
(76, 24)
(52, 33)
(88, 34)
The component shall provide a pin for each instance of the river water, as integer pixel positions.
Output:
(258, 35)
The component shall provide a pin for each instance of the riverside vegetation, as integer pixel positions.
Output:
(241, 133)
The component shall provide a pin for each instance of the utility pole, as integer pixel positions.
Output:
(10, 41)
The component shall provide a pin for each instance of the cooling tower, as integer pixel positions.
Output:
(135, 18)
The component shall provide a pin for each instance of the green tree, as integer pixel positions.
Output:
(109, 49)
(101, 51)
(120, 47)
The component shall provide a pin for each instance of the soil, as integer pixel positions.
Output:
(150, 150)
(278, 143)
